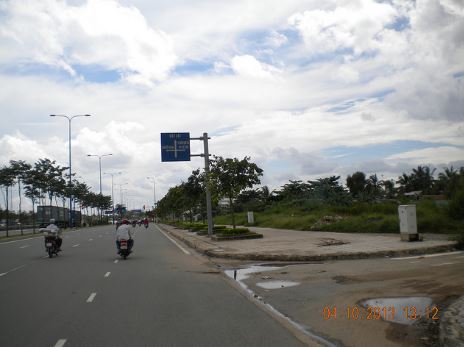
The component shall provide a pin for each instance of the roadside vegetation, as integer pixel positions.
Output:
(44, 183)
(362, 204)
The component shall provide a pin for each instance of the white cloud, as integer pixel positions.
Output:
(249, 66)
(100, 32)
(429, 155)
(354, 25)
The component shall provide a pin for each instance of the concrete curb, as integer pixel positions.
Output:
(452, 324)
(211, 251)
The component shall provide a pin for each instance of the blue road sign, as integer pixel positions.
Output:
(175, 146)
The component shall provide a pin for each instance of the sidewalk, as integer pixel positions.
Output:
(293, 245)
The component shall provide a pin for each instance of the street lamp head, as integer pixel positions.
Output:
(53, 115)
(87, 115)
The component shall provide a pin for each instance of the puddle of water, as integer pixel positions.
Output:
(404, 308)
(276, 284)
(243, 274)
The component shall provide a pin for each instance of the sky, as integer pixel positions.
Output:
(306, 88)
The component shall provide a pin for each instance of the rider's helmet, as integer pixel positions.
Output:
(125, 221)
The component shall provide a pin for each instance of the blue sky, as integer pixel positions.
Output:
(307, 89)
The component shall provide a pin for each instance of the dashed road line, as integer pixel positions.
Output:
(443, 264)
(90, 239)
(414, 262)
(14, 269)
(25, 246)
(77, 245)
(91, 297)
(173, 241)
(116, 261)
(108, 274)
(60, 343)
(29, 238)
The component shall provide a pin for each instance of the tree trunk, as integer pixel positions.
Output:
(231, 205)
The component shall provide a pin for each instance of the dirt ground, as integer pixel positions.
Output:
(344, 285)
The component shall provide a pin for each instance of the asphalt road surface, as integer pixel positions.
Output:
(88, 296)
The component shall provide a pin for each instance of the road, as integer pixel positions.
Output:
(161, 296)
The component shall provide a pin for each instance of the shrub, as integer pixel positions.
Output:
(456, 206)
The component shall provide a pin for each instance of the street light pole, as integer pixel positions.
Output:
(70, 118)
(100, 165)
(112, 190)
(154, 190)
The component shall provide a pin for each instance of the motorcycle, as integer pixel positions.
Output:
(51, 245)
(146, 225)
(124, 248)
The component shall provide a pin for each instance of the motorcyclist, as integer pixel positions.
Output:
(55, 231)
(124, 233)
(145, 222)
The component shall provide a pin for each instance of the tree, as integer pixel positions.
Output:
(19, 170)
(421, 179)
(231, 176)
(32, 191)
(356, 183)
(329, 190)
(7, 177)
(373, 187)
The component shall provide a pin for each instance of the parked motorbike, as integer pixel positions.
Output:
(124, 248)
(51, 245)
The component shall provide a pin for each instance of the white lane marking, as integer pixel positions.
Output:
(116, 261)
(17, 268)
(108, 274)
(173, 241)
(428, 255)
(14, 269)
(90, 239)
(45, 257)
(29, 238)
(60, 343)
(91, 297)
(443, 264)
(77, 245)
(413, 262)
(25, 246)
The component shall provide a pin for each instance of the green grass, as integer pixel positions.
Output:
(357, 217)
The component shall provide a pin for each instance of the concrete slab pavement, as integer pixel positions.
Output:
(293, 245)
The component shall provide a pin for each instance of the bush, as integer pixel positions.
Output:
(236, 231)
(456, 206)
(460, 239)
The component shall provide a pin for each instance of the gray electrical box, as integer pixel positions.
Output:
(408, 222)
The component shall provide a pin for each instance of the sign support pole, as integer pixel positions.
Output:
(176, 147)
(209, 210)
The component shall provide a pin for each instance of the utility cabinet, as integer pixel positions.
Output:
(408, 223)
